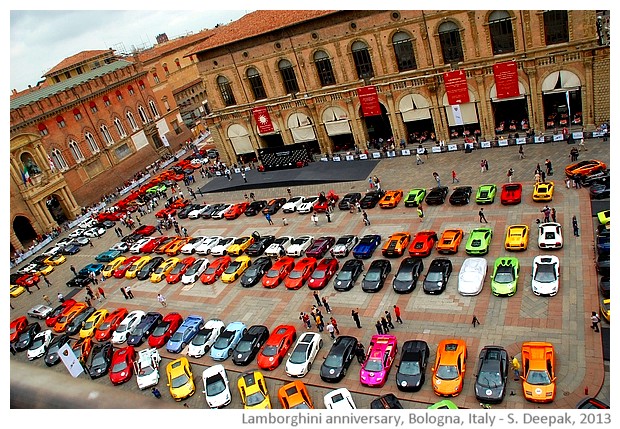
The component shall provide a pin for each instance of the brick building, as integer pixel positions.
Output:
(301, 70)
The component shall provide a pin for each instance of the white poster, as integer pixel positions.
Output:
(164, 140)
(458, 116)
(71, 362)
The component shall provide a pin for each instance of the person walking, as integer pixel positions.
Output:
(47, 300)
(549, 167)
(319, 322)
(328, 216)
(317, 298)
(184, 231)
(156, 393)
(356, 317)
(162, 300)
(388, 318)
(47, 282)
(333, 322)
(482, 165)
(243, 177)
(124, 293)
(326, 305)
(379, 327)
(595, 321)
(418, 159)
(575, 227)
(87, 301)
(330, 328)
(61, 297)
(101, 292)
(365, 218)
(516, 366)
(509, 174)
(315, 219)
(129, 292)
(521, 152)
(475, 321)
(437, 179)
(546, 211)
(268, 217)
(384, 325)
(72, 268)
(455, 179)
(303, 316)
(553, 214)
(481, 216)
(486, 165)
(420, 211)
(397, 314)
(288, 191)
(360, 353)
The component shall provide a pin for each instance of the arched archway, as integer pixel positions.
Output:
(57, 209)
(24, 230)
(378, 128)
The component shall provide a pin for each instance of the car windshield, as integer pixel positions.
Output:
(138, 332)
(215, 385)
(146, 370)
(273, 273)
(201, 338)
(270, 351)
(409, 368)
(179, 381)
(404, 276)
(301, 405)
(373, 276)
(88, 325)
(300, 354)
(159, 330)
(38, 342)
(223, 340)
(504, 276)
(54, 347)
(539, 378)
(244, 346)
(318, 274)
(120, 366)
(333, 360)
(177, 337)
(373, 365)
(98, 360)
(177, 269)
(295, 274)
(193, 269)
(251, 272)
(344, 275)
(447, 372)
(254, 399)
(434, 276)
(489, 379)
(545, 273)
(234, 266)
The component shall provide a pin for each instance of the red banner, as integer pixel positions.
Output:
(456, 87)
(506, 79)
(369, 101)
(263, 120)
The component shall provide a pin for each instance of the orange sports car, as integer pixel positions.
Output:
(391, 199)
(68, 315)
(279, 270)
(538, 377)
(110, 323)
(179, 269)
(301, 272)
(423, 243)
(584, 168)
(295, 395)
(215, 269)
(449, 241)
(274, 350)
(236, 210)
(163, 245)
(396, 244)
(449, 368)
(82, 349)
(175, 247)
(17, 327)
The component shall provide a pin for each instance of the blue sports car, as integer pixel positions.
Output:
(184, 334)
(367, 245)
(223, 347)
(107, 256)
(94, 268)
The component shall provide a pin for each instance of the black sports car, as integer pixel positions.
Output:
(603, 287)
(492, 374)
(376, 275)
(371, 198)
(274, 205)
(254, 273)
(144, 328)
(51, 357)
(149, 268)
(348, 274)
(80, 280)
(246, 349)
(100, 359)
(388, 401)
(437, 196)
(255, 207)
(338, 360)
(603, 264)
(108, 224)
(412, 367)
(437, 276)
(25, 338)
(260, 245)
(71, 249)
(598, 191)
(348, 199)
(76, 324)
(184, 212)
(213, 209)
(407, 275)
(460, 196)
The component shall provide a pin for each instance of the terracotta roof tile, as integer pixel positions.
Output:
(75, 59)
(175, 44)
(255, 23)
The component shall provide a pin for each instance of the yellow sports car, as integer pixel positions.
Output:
(109, 269)
(93, 322)
(236, 268)
(253, 391)
(180, 379)
(132, 271)
(162, 271)
(543, 191)
(516, 237)
(17, 290)
(56, 259)
(44, 269)
(605, 304)
(239, 245)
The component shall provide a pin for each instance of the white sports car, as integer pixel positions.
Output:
(39, 345)
(550, 235)
(339, 399)
(205, 248)
(194, 271)
(77, 233)
(344, 245)
(88, 223)
(307, 205)
(220, 213)
(472, 275)
(204, 339)
(299, 245)
(127, 326)
(216, 387)
(94, 232)
(303, 354)
(135, 247)
(195, 214)
(40, 311)
(190, 248)
(121, 246)
(546, 275)
(292, 205)
(279, 246)
(220, 248)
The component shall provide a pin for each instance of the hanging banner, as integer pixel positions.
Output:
(263, 120)
(456, 87)
(369, 101)
(506, 79)
(458, 116)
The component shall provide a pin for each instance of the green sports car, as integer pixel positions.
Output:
(156, 188)
(444, 404)
(486, 194)
(479, 241)
(415, 197)
(505, 276)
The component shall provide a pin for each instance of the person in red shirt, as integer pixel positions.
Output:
(397, 313)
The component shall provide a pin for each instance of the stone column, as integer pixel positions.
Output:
(356, 125)
(15, 241)
(587, 96)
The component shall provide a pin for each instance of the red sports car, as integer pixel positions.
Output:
(423, 243)
(18, 326)
(161, 248)
(215, 269)
(236, 210)
(180, 203)
(110, 216)
(322, 204)
(324, 271)
(51, 320)
(164, 213)
(119, 273)
(150, 245)
(109, 325)
(279, 270)
(274, 350)
(179, 269)
(320, 246)
(145, 230)
(28, 280)
(164, 330)
(121, 366)
(511, 193)
(301, 272)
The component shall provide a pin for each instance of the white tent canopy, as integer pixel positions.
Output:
(414, 107)
(468, 110)
(561, 81)
(301, 127)
(240, 139)
(336, 121)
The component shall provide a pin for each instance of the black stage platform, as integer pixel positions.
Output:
(315, 172)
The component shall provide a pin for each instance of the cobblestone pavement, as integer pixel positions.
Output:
(563, 320)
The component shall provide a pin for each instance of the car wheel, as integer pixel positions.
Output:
(344, 372)
(309, 367)
(321, 343)
(183, 346)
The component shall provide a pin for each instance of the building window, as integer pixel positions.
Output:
(132, 121)
(119, 128)
(256, 83)
(59, 160)
(61, 122)
(130, 90)
(361, 58)
(153, 108)
(143, 116)
(79, 70)
(141, 84)
(500, 27)
(175, 126)
(178, 63)
(288, 77)
(155, 78)
(166, 104)
(93, 107)
(226, 91)
(403, 49)
(106, 100)
(68, 74)
(107, 137)
(556, 26)
(165, 67)
(324, 68)
(92, 144)
(450, 40)
(42, 130)
(119, 96)
(76, 152)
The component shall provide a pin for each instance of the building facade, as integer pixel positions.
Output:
(303, 70)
